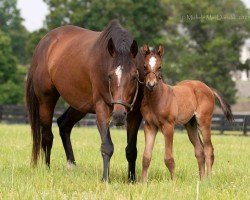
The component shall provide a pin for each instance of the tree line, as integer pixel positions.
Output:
(202, 39)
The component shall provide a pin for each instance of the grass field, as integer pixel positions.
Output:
(230, 180)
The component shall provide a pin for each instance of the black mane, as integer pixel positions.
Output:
(122, 41)
(120, 36)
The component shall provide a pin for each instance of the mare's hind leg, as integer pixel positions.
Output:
(205, 127)
(46, 109)
(194, 138)
(66, 122)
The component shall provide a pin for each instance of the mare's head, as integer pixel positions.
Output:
(152, 65)
(123, 78)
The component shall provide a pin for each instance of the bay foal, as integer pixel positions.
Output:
(190, 103)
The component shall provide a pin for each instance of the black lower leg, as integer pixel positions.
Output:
(107, 149)
(47, 142)
(131, 155)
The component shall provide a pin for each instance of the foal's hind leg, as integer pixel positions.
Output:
(46, 109)
(194, 138)
(205, 127)
(66, 122)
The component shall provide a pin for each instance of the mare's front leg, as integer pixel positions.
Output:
(150, 133)
(133, 124)
(107, 147)
(168, 132)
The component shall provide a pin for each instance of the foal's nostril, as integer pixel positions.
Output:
(125, 113)
(150, 86)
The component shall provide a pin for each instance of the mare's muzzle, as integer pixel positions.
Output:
(119, 117)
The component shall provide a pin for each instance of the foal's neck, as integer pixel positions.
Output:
(154, 95)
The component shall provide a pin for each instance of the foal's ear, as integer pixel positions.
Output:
(111, 47)
(146, 50)
(134, 48)
(160, 50)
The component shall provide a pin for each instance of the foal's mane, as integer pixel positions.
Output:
(122, 41)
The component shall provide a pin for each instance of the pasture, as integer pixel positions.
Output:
(231, 171)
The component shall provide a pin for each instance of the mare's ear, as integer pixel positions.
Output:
(111, 47)
(134, 48)
(160, 50)
(146, 50)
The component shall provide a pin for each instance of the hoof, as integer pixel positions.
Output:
(70, 165)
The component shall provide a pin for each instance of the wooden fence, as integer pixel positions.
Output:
(17, 114)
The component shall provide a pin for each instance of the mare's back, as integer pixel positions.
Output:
(59, 42)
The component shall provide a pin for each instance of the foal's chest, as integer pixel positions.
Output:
(153, 114)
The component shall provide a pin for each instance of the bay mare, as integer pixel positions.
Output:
(190, 103)
(94, 72)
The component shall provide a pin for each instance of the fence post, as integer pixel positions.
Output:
(1, 113)
(245, 125)
(222, 124)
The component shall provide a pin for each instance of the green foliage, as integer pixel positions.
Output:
(11, 24)
(11, 77)
(33, 41)
(143, 18)
(207, 45)
(230, 179)
(7, 60)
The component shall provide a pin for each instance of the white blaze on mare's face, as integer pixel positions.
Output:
(118, 73)
(152, 62)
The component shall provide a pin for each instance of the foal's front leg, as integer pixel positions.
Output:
(168, 132)
(150, 133)
(107, 147)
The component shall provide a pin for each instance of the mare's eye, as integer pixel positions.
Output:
(145, 67)
(109, 76)
(159, 67)
(134, 78)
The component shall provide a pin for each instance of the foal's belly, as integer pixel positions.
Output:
(186, 103)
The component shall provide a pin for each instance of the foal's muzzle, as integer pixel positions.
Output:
(151, 85)
(119, 117)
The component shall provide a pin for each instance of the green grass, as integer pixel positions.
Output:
(230, 180)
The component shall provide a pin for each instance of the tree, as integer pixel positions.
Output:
(11, 24)
(11, 78)
(143, 18)
(207, 42)
(33, 41)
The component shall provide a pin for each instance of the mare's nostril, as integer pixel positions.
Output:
(125, 113)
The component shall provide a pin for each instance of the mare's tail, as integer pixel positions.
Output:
(33, 112)
(226, 108)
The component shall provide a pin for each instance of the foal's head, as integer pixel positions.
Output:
(152, 65)
(123, 81)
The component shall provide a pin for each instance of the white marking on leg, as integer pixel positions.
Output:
(70, 165)
(152, 62)
(118, 73)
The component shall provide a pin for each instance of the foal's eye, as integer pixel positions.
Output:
(159, 67)
(134, 78)
(109, 76)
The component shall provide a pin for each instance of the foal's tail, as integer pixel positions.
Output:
(33, 112)
(226, 108)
